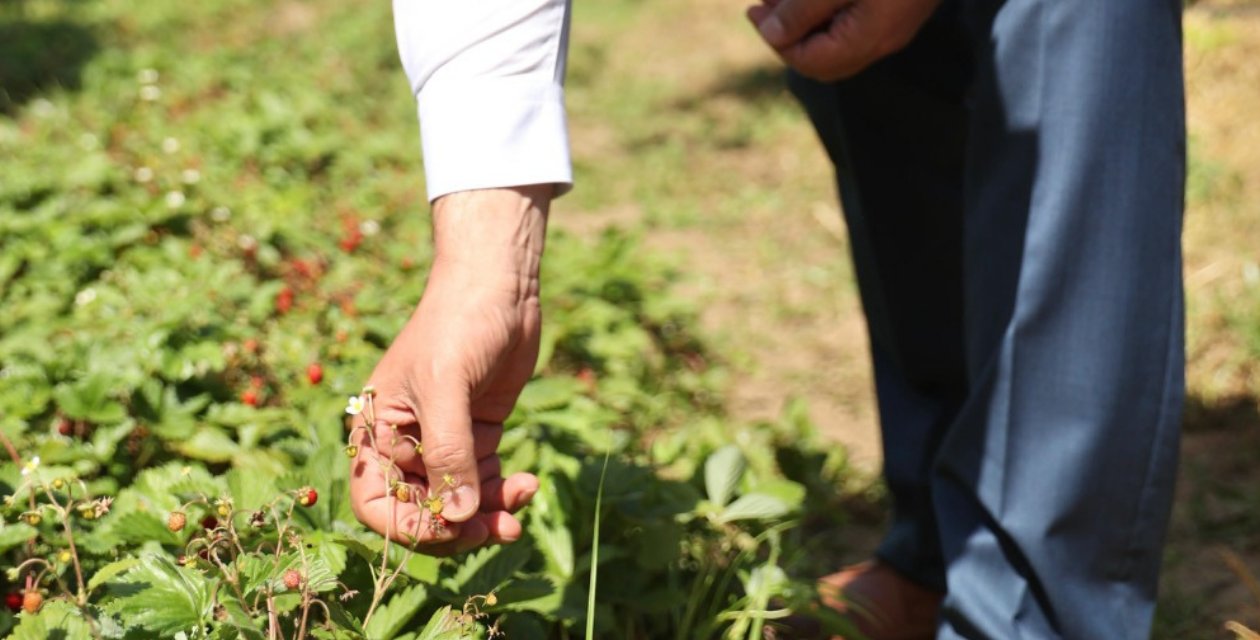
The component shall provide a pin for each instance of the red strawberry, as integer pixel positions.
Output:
(307, 496)
(284, 300)
(209, 522)
(250, 397)
(65, 427)
(176, 521)
(314, 373)
(292, 579)
(250, 345)
(13, 601)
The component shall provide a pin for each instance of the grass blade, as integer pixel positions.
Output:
(590, 598)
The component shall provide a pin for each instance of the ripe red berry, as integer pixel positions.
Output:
(176, 521)
(250, 397)
(307, 496)
(351, 240)
(13, 601)
(292, 579)
(32, 601)
(209, 522)
(284, 300)
(65, 427)
(250, 345)
(314, 373)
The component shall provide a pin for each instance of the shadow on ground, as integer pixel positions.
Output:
(1217, 514)
(40, 56)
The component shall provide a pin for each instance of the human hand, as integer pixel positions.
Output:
(452, 377)
(831, 40)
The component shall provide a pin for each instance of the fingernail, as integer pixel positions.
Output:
(528, 495)
(771, 29)
(462, 503)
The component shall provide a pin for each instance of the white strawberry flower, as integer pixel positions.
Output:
(30, 466)
(355, 406)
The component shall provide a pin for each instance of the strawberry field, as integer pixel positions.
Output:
(212, 223)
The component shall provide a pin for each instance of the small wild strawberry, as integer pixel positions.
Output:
(402, 492)
(32, 518)
(65, 427)
(307, 496)
(58, 483)
(65, 556)
(31, 601)
(13, 601)
(249, 397)
(314, 373)
(223, 507)
(284, 300)
(491, 599)
(209, 522)
(292, 579)
(352, 450)
(175, 522)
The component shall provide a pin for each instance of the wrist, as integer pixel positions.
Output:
(492, 237)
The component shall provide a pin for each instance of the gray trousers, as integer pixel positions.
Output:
(1013, 184)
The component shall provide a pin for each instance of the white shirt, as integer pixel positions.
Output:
(488, 76)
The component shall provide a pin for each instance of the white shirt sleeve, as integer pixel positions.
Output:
(488, 76)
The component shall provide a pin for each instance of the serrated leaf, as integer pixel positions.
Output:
(548, 393)
(485, 570)
(722, 472)
(531, 593)
(14, 534)
(442, 626)
(56, 619)
(162, 597)
(392, 616)
(210, 444)
(791, 493)
(143, 526)
(754, 506)
(251, 489)
(110, 571)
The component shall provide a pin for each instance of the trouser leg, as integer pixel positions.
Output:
(896, 136)
(1053, 487)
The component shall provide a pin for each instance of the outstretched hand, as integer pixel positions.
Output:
(831, 40)
(426, 470)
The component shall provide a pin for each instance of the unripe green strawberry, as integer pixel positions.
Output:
(352, 451)
(176, 521)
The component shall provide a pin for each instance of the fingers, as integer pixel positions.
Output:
(448, 457)
(788, 21)
(371, 482)
(400, 440)
(483, 529)
(510, 494)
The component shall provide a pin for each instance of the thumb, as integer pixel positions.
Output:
(449, 460)
(792, 20)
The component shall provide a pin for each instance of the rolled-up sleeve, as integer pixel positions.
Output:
(488, 76)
